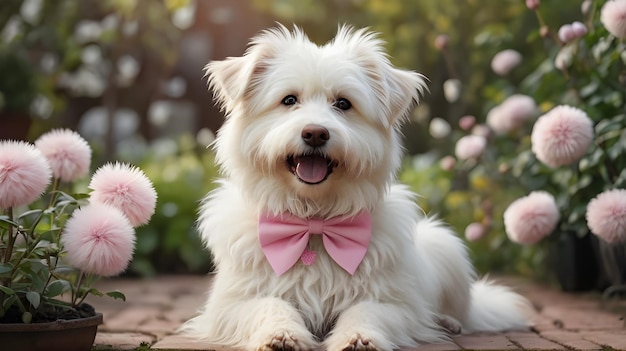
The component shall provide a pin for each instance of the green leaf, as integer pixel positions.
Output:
(59, 303)
(117, 295)
(6, 290)
(610, 124)
(64, 269)
(80, 196)
(31, 212)
(591, 160)
(34, 298)
(9, 302)
(6, 220)
(589, 89)
(63, 194)
(27, 317)
(57, 288)
(33, 265)
(6, 268)
(93, 291)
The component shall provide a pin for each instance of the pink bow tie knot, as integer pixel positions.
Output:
(285, 237)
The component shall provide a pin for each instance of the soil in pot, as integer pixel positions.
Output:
(76, 333)
(50, 313)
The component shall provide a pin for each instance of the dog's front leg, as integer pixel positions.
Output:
(370, 326)
(252, 324)
(271, 324)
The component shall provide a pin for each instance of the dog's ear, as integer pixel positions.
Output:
(396, 91)
(235, 77)
(403, 90)
(230, 79)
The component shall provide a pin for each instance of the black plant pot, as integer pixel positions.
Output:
(575, 262)
(612, 258)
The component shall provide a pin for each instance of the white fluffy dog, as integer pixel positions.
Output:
(312, 140)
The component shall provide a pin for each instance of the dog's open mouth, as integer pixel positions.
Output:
(311, 168)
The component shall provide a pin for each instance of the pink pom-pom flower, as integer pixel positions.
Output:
(511, 114)
(99, 239)
(68, 154)
(613, 17)
(606, 216)
(505, 61)
(24, 173)
(528, 219)
(470, 146)
(127, 188)
(561, 136)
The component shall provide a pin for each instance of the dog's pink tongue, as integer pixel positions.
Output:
(312, 168)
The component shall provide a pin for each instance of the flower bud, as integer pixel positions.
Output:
(533, 4)
(475, 231)
(566, 33)
(579, 29)
(585, 7)
(467, 122)
(441, 41)
(447, 163)
(505, 61)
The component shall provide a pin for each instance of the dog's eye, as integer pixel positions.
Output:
(343, 104)
(289, 100)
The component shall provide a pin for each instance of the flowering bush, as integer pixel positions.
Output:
(63, 242)
(564, 171)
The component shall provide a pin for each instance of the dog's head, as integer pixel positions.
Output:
(312, 130)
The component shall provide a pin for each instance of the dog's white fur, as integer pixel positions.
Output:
(415, 282)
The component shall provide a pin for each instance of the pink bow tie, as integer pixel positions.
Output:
(284, 238)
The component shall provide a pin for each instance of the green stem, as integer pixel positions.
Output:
(52, 269)
(449, 64)
(542, 24)
(8, 253)
(76, 293)
(55, 187)
(9, 250)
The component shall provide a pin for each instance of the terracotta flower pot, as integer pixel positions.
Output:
(66, 335)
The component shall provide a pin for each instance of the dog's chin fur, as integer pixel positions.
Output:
(415, 283)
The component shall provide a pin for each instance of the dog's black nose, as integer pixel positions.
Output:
(315, 135)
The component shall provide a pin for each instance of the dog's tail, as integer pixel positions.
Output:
(495, 308)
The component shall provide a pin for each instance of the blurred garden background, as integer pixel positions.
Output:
(128, 76)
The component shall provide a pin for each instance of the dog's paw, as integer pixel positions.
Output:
(285, 341)
(449, 324)
(359, 343)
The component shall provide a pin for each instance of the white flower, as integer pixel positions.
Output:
(452, 90)
(439, 128)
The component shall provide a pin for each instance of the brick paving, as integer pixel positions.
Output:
(155, 308)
